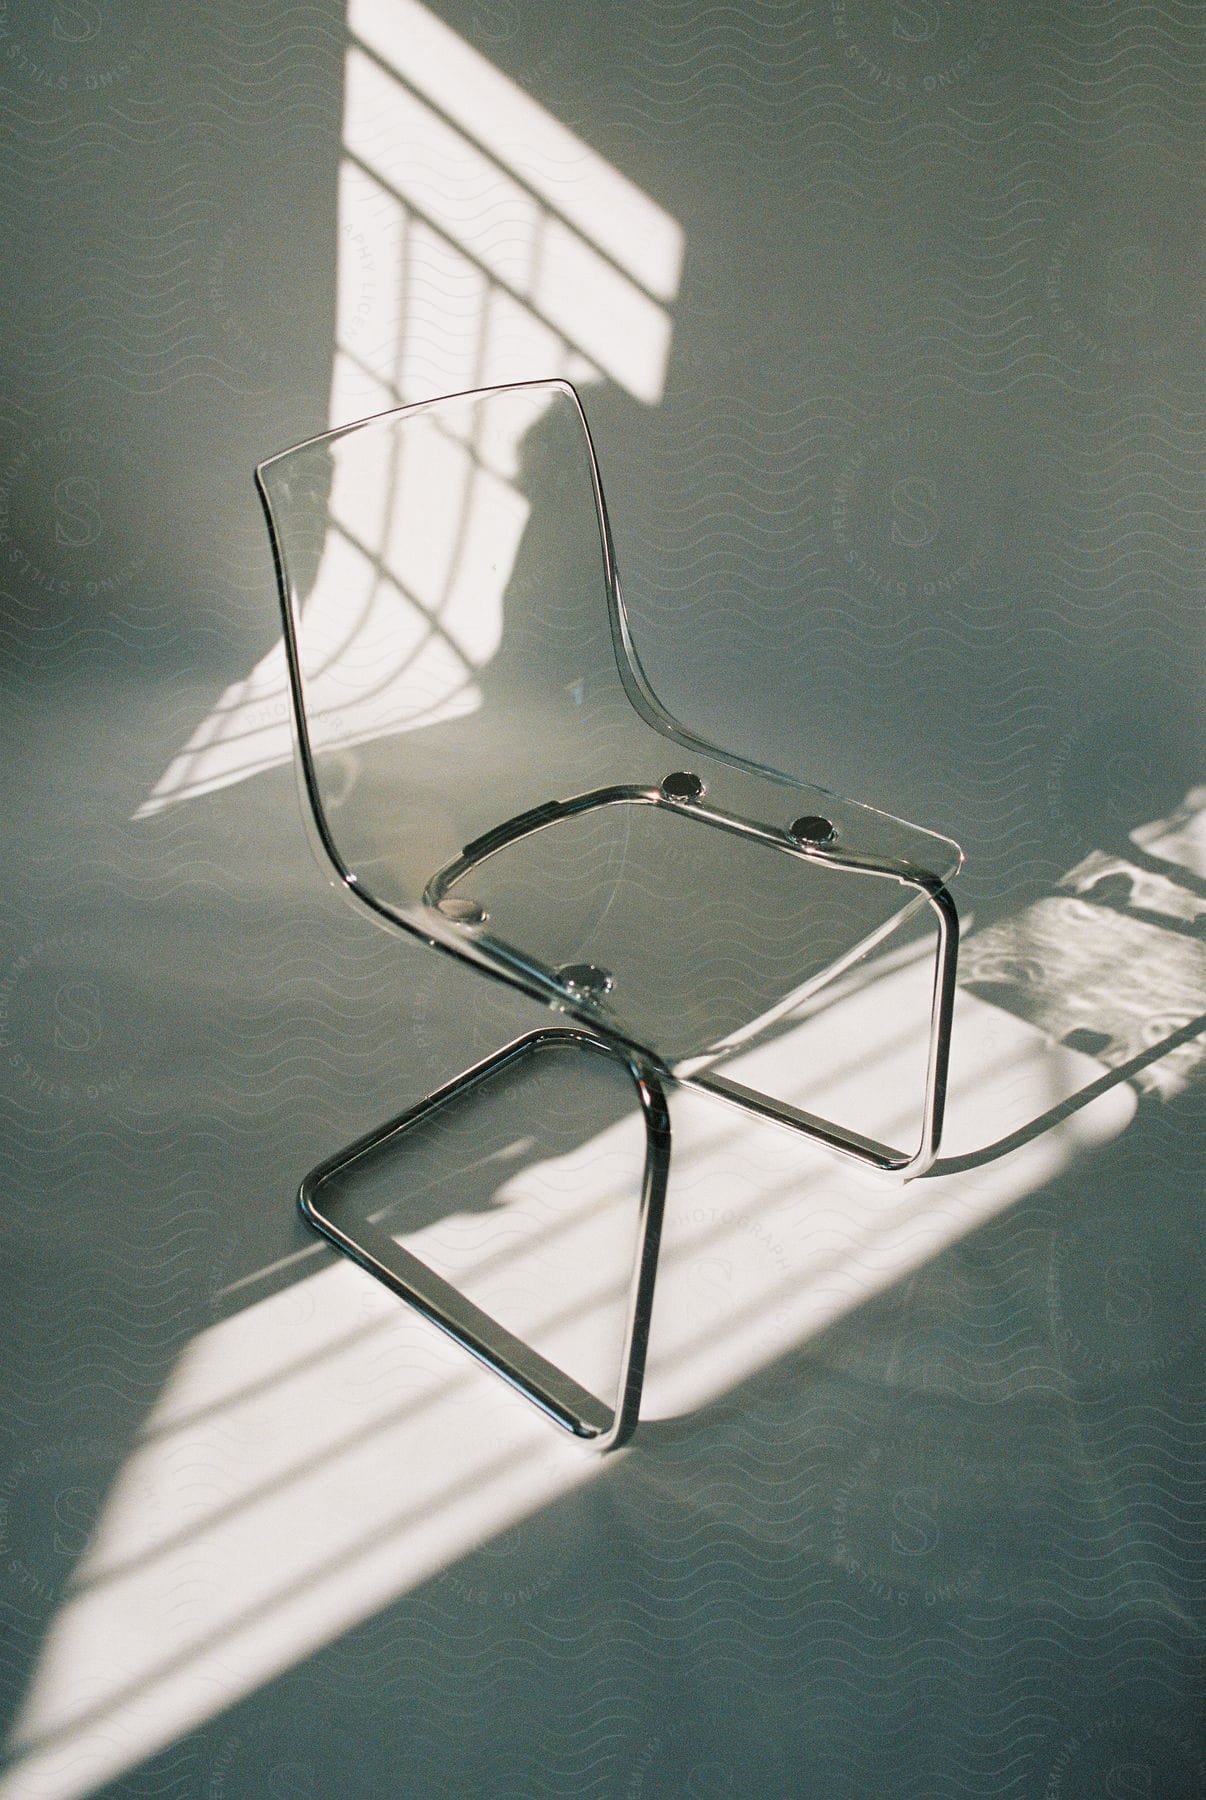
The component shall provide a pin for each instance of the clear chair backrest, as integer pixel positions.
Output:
(451, 622)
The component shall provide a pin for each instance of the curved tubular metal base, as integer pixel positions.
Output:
(840, 1138)
(548, 1387)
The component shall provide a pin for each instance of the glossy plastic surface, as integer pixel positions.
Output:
(488, 767)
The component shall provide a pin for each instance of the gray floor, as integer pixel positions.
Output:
(911, 508)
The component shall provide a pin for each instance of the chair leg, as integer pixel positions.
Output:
(548, 1387)
(903, 1163)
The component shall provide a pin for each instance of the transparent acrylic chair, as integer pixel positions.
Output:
(486, 766)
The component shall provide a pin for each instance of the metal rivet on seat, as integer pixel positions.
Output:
(461, 911)
(586, 978)
(683, 785)
(812, 828)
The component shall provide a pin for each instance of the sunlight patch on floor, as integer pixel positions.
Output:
(325, 1451)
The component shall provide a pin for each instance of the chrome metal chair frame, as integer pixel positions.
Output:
(835, 1137)
(555, 1392)
(569, 991)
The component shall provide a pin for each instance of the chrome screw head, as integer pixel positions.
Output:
(683, 785)
(461, 911)
(586, 979)
(812, 828)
